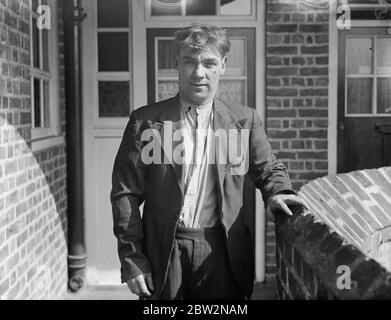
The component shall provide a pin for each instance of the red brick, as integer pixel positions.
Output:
(283, 50)
(312, 155)
(313, 133)
(337, 183)
(281, 134)
(384, 220)
(363, 213)
(313, 92)
(359, 227)
(353, 186)
(384, 204)
(379, 179)
(313, 113)
(314, 28)
(361, 178)
(274, 61)
(273, 71)
(273, 39)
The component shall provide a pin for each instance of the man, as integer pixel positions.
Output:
(191, 241)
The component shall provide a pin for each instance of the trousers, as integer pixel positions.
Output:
(199, 267)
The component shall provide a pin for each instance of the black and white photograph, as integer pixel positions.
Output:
(212, 151)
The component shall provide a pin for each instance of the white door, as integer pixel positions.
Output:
(115, 80)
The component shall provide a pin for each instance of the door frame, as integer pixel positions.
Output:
(332, 132)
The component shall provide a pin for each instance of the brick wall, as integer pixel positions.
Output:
(348, 224)
(296, 93)
(32, 185)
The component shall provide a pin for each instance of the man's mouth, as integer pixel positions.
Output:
(199, 84)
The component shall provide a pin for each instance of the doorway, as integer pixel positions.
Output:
(364, 99)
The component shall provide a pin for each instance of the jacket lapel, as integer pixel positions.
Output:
(224, 119)
(168, 122)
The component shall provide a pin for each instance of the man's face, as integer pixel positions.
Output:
(199, 73)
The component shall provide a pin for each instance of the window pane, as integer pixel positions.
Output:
(114, 99)
(236, 58)
(235, 7)
(232, 92)
(359, 55)
(384, 95)
(34, 5)
(359, 96)
(166, 59)
(166, 7)
(167, 89)
(200, 8)
(35, 46)
(37, 103)
(113, 14)
(383, 56)
(45, 49)
(46, 105)
(113, 51)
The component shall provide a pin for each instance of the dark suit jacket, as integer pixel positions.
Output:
(145, 243)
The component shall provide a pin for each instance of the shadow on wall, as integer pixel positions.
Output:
(339, 248)
(33, 230)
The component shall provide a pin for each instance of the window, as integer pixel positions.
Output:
(209, 8)
(233, 84)
(44, 71)
(113, 66)
(368, 75)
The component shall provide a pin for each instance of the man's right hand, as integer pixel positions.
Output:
(141, 285)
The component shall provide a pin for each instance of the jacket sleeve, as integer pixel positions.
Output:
(268, 174)
(127, 194)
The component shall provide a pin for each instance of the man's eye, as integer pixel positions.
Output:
(210, 64)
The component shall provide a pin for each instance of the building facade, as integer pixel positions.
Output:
(317, 72)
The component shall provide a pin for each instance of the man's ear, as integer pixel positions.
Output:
(176, 59)
(223, 63)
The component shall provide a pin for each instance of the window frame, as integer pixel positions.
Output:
(211, 18)
(49, 134)
(374, 75)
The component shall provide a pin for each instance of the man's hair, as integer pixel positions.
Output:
(198, 36)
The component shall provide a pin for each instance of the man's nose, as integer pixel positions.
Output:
(199, 71)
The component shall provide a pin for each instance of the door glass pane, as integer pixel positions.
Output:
(384, 95)
(359, 96)
(114, 99)
(46, 105)
(113, 14)
(34, 5)
(37, 103)
(233, 92)
(113, 51)
(236, 58)
(167, 89)
(166, 7)
(383, 55)
(45, 49)
(235, 7)
(359, 55)
(35, 40)
(200, 8)
(166, 60)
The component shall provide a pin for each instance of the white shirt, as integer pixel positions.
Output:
(199, 182)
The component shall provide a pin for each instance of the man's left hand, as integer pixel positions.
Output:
(281, 202)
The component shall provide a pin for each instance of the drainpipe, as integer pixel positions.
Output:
(77, 256)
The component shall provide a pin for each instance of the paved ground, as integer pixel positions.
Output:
(262, 291)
